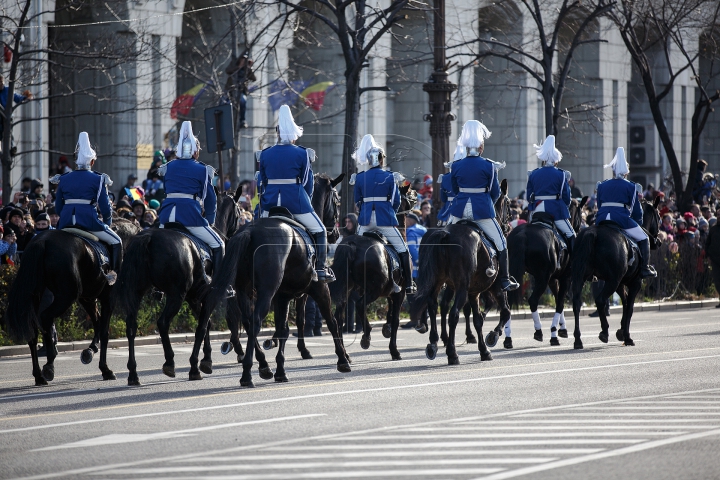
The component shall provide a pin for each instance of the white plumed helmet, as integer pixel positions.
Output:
(368, 153)
(287, 129)
(473, 134)
(188, 144)
(85, 153)
(547, 152)
(619, 165)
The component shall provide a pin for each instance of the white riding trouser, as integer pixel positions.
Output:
(636, 233)
(108, 236)
(489, 226)
(562, 225)
(391, 233)
(311, 221)
(207, 235)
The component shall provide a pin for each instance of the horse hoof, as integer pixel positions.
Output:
(240, 357)
(485, 357)
(40, 381)
(133, 382)
(431, 351)
(387, 330)
(453, 360)
(108, 375)
(343, 367)
(226, 348)
(471, 339)
(578, 345)
(554, 341)
(169, 370)
(491, 339)
(619, 335)
(629, 343)
(195, 376)
(266, 373)
(421, 328)
(507, 343)
(281, 378)
(247, 383)
(86, 356)
(268, 345)
(48, 373)
(538, 335)
(206, 367)
(305, 355)
(562, 333)
(364, 343)
(603, 337)
(347, 357)
(395, 355)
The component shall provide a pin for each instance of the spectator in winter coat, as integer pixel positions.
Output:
(8, 247)
(414, 232)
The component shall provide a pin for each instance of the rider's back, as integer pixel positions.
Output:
(377, 184)
(622, 195)
(185, 176)
(474, 172)
(286, 162)
(81, 185)
(550, 181)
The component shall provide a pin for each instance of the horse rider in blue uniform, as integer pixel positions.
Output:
(78, 196)
(476, 188)
(618, 201)
(548, 189)
(286, 180)
(446, 193)
(378, 198)
(189, 191)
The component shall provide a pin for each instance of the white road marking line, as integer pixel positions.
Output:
(602, 455)
(672, 402)
(468, 444)
(669, 407)
(603, 421)
(442, 473)
(361, 390)
(119, 438)
(609, 415)
(507, 435)
(495, 428)
(498, 455)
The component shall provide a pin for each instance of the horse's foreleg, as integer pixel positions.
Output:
(300, 322)
(394, 317)
(321, 294)
(262, 307)
(106, 308)
(539, 287)
(173, 303)
(90, 308)
(202, 335)
(59, 306)
(601, 302)
(460, 299)
(445, 300)
(282, 331)
(233, 319)
(558, 324)
(478, 320)
(468, 310)
(37, 373)
(628, 307)
(577, 304)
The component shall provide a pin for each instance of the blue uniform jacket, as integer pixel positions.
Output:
(550, 181)
(286, 162)
(83, 185)
(379, 185)
(619, 190)
(446, 196)
(414, 234)
(190, 177)
(474, 172)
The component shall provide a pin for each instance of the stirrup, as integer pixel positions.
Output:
(412, 289)
(325, 275)
(111, 277)
(648, 271)
(509, 284)
(230, 292)
(396, 288)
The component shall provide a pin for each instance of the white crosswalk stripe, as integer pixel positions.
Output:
(494, 447)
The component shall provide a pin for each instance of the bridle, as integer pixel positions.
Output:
(331, 209)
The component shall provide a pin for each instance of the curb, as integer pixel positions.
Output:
(524, 314)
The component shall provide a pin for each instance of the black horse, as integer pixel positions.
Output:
(170, 262)
(363, 264)
(602, 251)
(267, 262)
(535, 249)
(456, 257)
(66, 266)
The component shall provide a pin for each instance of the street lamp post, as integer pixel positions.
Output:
(439, 90)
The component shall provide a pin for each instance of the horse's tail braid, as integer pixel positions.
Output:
(236, 251)
(134, 274)
(21, 318)
(431, 256)
(342, 262)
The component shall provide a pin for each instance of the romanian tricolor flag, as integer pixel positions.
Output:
(183, 103)
(314, 95)
(134, 193)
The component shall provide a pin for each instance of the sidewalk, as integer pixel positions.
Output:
(522, 314)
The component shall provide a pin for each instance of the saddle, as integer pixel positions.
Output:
(633, 249)
(489, 244)
(202, 247)
(97, 246)
(545, 220)
(284, 215)
(392, 253)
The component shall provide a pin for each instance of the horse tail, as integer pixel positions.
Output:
(583, 251)
(134, 274)
(517, 269)
(235, 252)
(431, 256)
(342, 262)
(21, 317)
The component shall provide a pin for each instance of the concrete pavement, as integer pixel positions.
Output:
(608, 411)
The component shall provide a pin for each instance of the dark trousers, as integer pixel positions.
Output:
(313, 318)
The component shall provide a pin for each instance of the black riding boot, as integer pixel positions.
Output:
(570, 242)
(646, 270)
(324, 273)
(507, 283)
(218, 253)
(115, 262)
(410, 287)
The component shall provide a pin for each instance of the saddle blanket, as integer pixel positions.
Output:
(558, 235)
(309, 243)
(99, 248)
(281, 213)
(484, 238)
(202, 247)
(633, 250)
(394, 257)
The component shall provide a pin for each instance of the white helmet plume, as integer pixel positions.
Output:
(460, 153)
(361, 154)
(191, 142)
(547, 151)
(619, 165)
(473, 134)
(287, 129)
(85, 153)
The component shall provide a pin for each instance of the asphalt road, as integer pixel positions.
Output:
(647, 412)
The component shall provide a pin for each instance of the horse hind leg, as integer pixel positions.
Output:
(628, 306)
(283, 331)
(394, 317)
(454, 317)
(90, 307)
(37, 372)
(172, 307)
(478, 320)
(468, 310)
(300, 323)
(539, 287)
(601, 302)
(60, 304)
(445, 300)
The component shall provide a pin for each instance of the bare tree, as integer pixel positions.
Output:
(660, 36)
(547, 54)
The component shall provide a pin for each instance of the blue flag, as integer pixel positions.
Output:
(282, 92)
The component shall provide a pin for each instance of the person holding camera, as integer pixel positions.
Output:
(240, 74)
